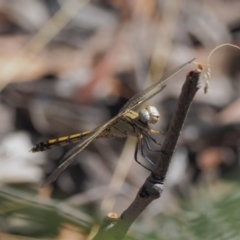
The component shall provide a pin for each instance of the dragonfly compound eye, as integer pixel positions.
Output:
(144, 115)
(154, 114)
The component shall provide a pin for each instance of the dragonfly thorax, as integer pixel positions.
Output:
(149, 114)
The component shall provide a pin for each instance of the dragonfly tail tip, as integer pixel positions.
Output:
(34, 149)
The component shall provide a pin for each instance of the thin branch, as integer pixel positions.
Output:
(153, 186)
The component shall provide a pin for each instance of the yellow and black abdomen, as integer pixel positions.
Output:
(124, 126)
(42, 146)
(62, 141)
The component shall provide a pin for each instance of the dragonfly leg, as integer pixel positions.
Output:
(141, 140)
(145, 140)
(148, 145)
(153, 139)
(136, 158)
(157, 132)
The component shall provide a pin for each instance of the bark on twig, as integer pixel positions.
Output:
(153, 186)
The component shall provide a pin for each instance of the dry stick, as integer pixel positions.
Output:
(153, 186)
(207, 74)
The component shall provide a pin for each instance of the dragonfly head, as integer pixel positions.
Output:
(149, 115)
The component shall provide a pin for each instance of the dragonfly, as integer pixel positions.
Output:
(127, 122)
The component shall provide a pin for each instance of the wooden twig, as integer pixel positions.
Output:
(153, 186)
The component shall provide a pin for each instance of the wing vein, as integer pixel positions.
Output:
(136, 100)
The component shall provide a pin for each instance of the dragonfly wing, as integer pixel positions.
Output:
(69, 157)
(149, 96)
(151, 90)
(136, 100)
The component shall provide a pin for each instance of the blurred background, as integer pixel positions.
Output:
(69, 66)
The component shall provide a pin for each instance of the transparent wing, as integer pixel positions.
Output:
(141, 97)
(136, 100)
(69, 157)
